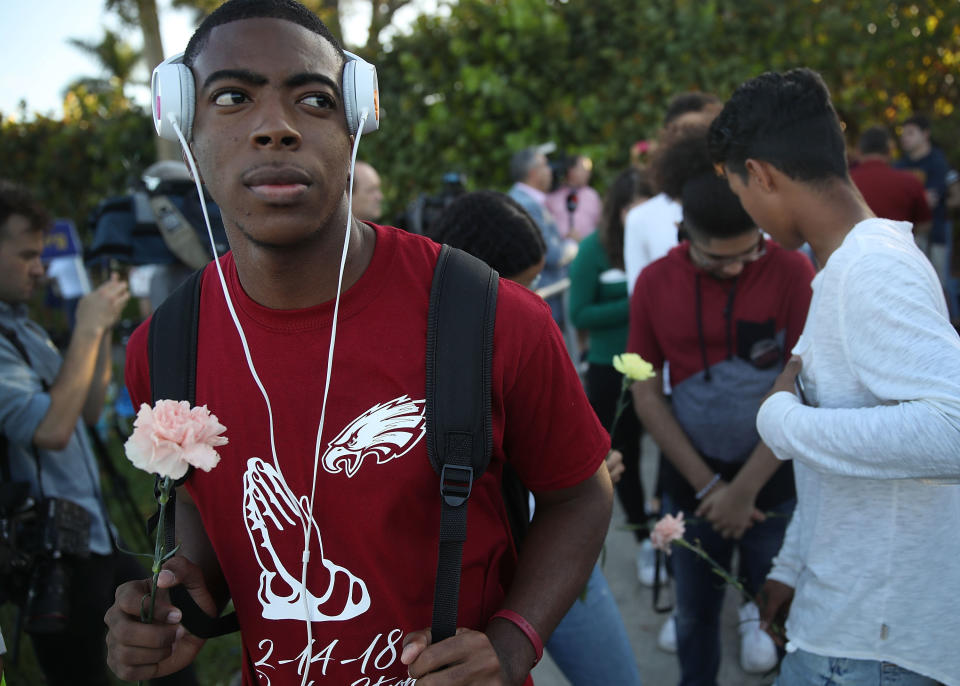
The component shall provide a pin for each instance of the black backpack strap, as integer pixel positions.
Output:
(172, 351)
(172, 342)
(459, 365)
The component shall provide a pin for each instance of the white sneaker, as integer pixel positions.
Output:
(667, 638)
(758, 652)
(647, 565)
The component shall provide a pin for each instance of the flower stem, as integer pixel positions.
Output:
(621, 404)
(717, 569)
(727, 577)
(160, 545)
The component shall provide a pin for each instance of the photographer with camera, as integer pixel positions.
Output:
(58, 558)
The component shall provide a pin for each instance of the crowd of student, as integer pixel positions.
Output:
(806, 404)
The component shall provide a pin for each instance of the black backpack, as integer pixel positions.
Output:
(459, 431)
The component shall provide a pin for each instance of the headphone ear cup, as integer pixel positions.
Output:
(172, 90)
(360, 92)
(350, 96)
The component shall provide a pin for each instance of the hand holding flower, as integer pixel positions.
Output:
(167, 440)
(773, 600)
(615, 466)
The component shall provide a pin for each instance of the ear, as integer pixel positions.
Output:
(763, 173)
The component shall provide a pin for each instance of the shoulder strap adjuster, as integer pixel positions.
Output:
(456, 483)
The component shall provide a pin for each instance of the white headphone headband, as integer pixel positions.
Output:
(172, 90)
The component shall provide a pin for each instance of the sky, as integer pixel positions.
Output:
(39, 62)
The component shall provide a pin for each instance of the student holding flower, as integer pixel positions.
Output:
(321, 519)
(723, 309)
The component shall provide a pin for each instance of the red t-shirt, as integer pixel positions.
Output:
(376, 510)
(663, 310)
(891, 193)
(726, 341)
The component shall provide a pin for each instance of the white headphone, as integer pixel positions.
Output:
(172, 90)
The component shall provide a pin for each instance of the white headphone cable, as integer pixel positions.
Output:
(307, 509)
(323, 411)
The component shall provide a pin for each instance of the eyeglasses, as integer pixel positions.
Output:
(712, 261)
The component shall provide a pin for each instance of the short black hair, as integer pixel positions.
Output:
(785, 119)
(711, 210)
(918, 120)
(235, 10)
(681, 155)
(629, 185)
(16, 199)
(875, 141)
(694, 101)
(493, 227)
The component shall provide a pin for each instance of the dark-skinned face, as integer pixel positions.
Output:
(269, 132)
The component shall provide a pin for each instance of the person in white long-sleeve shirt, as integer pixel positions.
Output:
(650, 229)
(870, 559)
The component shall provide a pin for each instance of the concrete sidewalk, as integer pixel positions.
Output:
(657, 668)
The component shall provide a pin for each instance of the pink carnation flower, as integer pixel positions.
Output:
(170, 437)
(666, 531)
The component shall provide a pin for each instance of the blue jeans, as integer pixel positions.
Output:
(590, 645)
(700, 592)
(801, 668)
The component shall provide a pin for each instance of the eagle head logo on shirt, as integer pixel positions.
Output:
(385, 431)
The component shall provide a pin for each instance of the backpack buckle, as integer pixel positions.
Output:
(456, 482)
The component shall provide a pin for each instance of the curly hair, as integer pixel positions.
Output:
(493, 227)
(682, 155)
(785, 119)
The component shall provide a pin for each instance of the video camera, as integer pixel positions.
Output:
(425, 209)
(160, 222)
(35, 537)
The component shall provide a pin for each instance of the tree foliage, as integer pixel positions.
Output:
(464, 92)
(100, 145)
(327, 10)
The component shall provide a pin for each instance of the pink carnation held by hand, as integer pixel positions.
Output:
(171, 437)
(666, 531)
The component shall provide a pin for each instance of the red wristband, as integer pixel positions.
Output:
(527, 629)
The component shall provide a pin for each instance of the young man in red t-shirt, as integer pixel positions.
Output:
(722, 310)
(272, 146)
(891, 193)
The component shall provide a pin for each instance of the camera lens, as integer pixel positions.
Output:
(48, 600)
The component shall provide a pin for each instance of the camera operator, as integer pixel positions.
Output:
(44, 402)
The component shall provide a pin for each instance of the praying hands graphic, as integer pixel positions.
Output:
(273, 514)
